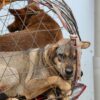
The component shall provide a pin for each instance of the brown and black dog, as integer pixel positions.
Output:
(34, 27)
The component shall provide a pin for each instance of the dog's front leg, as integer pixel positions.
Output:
(35, 87)
(67, 98)
(59, 82)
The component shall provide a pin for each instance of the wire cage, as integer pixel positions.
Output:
(6, 18)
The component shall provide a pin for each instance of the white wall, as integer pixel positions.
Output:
(97, 51)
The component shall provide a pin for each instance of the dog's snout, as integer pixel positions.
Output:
(69, 70)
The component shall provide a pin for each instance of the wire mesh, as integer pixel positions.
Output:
(8, 73)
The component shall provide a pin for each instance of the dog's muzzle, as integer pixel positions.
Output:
(69, 72)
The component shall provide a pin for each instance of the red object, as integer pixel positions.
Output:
(80, 86)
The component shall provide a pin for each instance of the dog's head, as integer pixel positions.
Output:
(22, 17)
(63, 57)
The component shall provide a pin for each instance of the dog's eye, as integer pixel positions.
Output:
(61, 57)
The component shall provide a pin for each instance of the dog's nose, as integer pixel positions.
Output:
(69, 71)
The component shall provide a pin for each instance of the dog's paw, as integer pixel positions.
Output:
(65, 87)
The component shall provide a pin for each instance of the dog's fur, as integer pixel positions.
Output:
(35, 29)
(31, 73)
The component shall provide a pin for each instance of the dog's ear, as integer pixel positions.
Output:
(53, 48)
(14, 11)
(17, 12)
(85, 44)
(52, 51)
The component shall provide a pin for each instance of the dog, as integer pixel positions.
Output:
(32, 72)
(32, 28)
